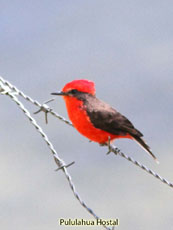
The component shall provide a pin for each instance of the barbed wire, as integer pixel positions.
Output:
(10, 90)
(7, 89)
(137, 163)
(43, 107)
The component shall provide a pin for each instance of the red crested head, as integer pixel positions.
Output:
(83, 85)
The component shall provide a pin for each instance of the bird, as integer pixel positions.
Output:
(94, 118)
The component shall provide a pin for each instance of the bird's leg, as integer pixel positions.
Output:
(109, 145)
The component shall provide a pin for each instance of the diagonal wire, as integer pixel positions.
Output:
(11, 91)
(117, 151)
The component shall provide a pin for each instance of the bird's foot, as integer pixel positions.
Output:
(107, 144)
(111, 148)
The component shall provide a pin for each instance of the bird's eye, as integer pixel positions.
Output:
(73, 91)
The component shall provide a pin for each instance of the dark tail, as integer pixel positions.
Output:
(142, 143)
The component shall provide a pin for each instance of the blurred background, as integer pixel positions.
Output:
(126, 48)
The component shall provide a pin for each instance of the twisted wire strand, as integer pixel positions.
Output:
(137, 163)
(35, 102)
(61, 164)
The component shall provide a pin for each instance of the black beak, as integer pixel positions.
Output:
(60, 93)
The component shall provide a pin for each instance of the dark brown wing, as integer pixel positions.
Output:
(104, 117)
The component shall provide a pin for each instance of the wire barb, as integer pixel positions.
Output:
(45, 108)
(64, 166)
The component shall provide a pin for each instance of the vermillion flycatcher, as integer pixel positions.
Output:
(94, 118)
